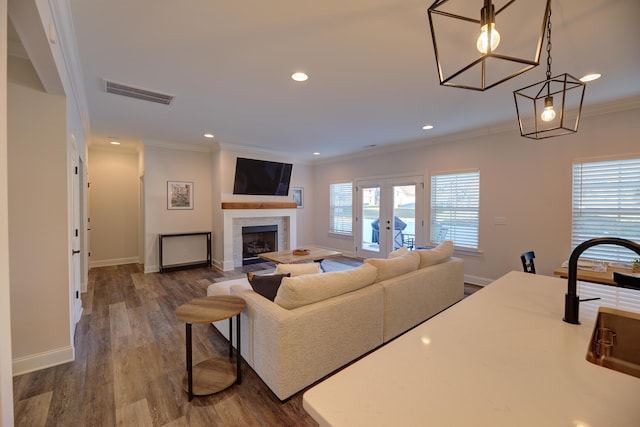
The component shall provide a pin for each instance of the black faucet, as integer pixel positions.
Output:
(571, 299)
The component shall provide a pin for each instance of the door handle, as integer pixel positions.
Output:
(73, 252)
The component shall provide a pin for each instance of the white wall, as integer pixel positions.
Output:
(114, 204)
(174, 162)
(38, 221)
(6, 375)
(525, 181)
(218, 168)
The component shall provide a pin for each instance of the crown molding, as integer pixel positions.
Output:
(62, 19)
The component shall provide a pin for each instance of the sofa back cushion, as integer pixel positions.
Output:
(304, 290)
(437, 255)
(402, 250)
(393, 267)
(298, 269)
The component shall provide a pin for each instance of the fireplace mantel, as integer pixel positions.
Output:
(258, 205)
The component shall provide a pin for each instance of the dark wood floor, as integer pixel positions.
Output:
(130, 358)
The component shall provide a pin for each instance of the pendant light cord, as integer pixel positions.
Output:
(549, 46)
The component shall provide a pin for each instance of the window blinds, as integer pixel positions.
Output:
(340, 205)
(455, 208)
(606, 203)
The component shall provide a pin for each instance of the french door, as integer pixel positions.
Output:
(388, 215)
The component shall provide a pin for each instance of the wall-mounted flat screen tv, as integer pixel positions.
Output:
(261, 177)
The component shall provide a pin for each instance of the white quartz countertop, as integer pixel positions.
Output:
(502, 357)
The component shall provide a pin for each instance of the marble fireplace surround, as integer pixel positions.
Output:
(238, 215)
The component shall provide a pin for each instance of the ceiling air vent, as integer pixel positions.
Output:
(137, 93)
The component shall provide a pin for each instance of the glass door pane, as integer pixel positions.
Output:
(404, 216)
(370, 223)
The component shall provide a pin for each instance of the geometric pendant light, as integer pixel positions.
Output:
(551, 107)
(479, 44)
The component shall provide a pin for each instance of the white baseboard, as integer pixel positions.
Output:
(116, 261)
(477, 280)
(217, 264)
(35, 362)
(151, 268)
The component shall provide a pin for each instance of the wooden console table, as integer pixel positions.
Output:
(195, 264)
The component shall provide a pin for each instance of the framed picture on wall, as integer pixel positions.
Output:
(296, 194)
(179, 195)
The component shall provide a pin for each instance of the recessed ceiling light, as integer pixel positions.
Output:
(299, 76)
(590, 77)
(208, 135)
(427, 127)
(114, 143)
(316, 154)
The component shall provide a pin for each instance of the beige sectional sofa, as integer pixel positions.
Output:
(348, 314)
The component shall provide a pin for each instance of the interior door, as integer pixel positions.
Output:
(76, 305)
(387, 212)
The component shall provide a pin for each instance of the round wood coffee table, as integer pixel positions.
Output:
(215, 374)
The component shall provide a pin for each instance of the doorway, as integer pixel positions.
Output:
(389, 215)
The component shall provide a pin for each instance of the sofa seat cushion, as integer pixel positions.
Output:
(299, 291)
(393, 267)
(298, 269)
(266, 285)
(437, 255)
(224, 288)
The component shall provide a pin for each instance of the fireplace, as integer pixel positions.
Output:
(257, 240)
(234, 220)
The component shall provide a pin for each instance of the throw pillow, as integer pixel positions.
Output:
(398, 252)
(437, 255)
(393, 267)
(303, 290)
(267, 286)
(298, 269)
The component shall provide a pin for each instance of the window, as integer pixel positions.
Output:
(606, 203)
(455, 208)
(340, 215)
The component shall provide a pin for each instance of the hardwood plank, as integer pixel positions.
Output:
(33, 411)
(33, 384)
(66, 405)
(178, 422)
(165, 399)
(119, 322)
(129, 381)
(98, 408)
(135, 414)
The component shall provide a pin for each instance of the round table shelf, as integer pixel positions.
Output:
(211, 376)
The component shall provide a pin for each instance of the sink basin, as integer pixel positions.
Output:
(615, 342)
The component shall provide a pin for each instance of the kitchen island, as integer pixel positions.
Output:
(502, 357)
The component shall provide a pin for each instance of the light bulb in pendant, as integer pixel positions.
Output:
(482, 43)
(548, 113)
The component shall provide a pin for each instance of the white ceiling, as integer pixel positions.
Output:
(373, 78)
